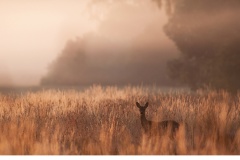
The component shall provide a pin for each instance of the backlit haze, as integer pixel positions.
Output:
(33, 33)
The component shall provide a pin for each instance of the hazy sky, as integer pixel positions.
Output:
(33, 33)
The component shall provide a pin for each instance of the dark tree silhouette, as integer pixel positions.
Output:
(68, 64)
(208, 35)
(83, 63)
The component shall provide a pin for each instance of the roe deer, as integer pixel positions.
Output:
(158, 127)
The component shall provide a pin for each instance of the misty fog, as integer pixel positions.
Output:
(128, 49)
(112, 32)
(123, 42)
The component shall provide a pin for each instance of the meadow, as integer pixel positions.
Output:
(105, 121)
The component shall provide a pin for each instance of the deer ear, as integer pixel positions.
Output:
(138, 105)
(146, 105)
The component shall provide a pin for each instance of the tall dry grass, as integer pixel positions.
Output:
(106, 121)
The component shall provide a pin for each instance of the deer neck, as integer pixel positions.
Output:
(144, 121)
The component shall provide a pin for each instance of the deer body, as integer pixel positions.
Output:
(159, 127)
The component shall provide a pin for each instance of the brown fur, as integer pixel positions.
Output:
(162, 127)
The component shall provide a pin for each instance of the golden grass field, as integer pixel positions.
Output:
(106, 121)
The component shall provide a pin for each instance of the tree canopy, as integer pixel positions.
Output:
(208, 35)
(95, 60)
